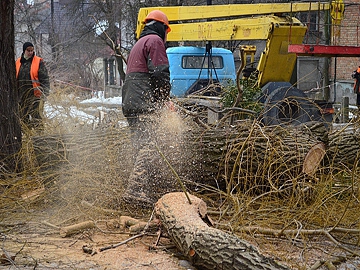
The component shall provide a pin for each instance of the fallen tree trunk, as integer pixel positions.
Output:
(260, 156)
(205, 246)
(245, 156)
(343, 148)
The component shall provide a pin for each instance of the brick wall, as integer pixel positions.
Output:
(349, 35)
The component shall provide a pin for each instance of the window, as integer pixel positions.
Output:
(311, 20)
(194, 62)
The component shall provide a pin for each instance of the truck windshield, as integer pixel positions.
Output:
(194, 62)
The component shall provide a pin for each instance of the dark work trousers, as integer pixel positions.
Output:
(140, 187)
(31, 112)
(151, 177)
(142, 129)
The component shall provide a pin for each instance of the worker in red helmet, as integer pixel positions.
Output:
(147, 82)
(356, 76)
(145, 94)
(159, 16)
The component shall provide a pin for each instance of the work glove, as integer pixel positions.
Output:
(170, 105)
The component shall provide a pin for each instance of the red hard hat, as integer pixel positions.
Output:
(159, 16)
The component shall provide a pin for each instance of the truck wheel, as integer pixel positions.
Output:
(270, 87)
(287, 106)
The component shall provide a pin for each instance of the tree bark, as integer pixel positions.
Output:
(10, 130)
(343, 148)
(206, 247)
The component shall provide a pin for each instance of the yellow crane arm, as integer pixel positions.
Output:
(275, 63)
(185, 13)
(181, 15)
(237, 29)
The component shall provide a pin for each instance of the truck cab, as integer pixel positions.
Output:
(193, 68)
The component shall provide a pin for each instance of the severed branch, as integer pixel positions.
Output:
(112, 42)
(72, 229)
(205, 246)
(128, 221)
(123, 242)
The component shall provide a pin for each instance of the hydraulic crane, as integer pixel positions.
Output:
(273, 22)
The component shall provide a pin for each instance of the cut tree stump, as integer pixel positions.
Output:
(206, 247)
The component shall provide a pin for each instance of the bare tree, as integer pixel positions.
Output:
(10, 129)
(112, 21)
(30, 21)
(116, 22)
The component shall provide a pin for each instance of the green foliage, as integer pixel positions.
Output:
(250, 95)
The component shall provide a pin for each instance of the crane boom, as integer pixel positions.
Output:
(185, 16)
(236, 29)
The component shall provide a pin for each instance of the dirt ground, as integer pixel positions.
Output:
(53, 252)
(39, 245)
(33, 237)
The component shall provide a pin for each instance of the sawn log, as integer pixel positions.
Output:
(205, 246)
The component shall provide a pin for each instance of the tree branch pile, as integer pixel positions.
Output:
(249, 154)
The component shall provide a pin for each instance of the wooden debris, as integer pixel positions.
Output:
(89, 250)
(73, 229)
(113, 224)
(123, 242)
(126, 221)
(132, 224)
(137, 228)
(49, 224)
(33, 194)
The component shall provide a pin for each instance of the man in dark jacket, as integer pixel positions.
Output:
(33, 85)
(146, 91)
(147, 82)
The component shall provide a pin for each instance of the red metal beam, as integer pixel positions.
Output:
(324, 50)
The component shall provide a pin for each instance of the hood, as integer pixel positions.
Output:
(154, 27)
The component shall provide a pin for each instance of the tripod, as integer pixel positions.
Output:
(210, 63)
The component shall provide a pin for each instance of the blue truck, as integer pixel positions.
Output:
(192, 69)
